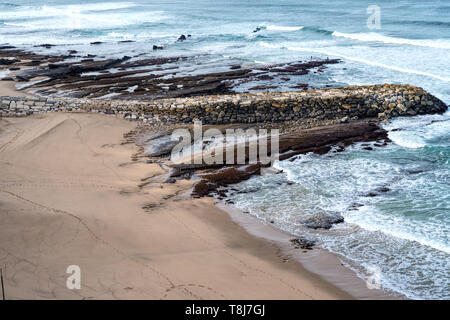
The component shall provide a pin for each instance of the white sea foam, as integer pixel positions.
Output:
(400, 228)
(360, 60)
(87, 16)
(77, 20)
(21, 25)
(415, 132)
(109, 95)
(132, 88)
(405, 139)
(283, 28)
(4, 73)
(26, 12)
(376, 37)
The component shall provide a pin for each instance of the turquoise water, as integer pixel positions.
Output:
(405, 231)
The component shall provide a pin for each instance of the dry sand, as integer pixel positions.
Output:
(69, 195)
(8, 88)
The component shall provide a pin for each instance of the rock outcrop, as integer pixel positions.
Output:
(322, 220)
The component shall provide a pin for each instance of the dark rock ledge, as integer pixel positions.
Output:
(320, 140)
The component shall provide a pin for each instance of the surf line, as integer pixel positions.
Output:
(377, 64)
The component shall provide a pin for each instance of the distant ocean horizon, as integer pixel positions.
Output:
(405, 231)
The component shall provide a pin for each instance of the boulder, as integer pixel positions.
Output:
(322, 220)
(46, 45)
(344, 119)
(7, 62)
(303, 243)
(383, 189)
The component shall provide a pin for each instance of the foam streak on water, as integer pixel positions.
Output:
(372, 36)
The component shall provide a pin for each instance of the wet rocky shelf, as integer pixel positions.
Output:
(144, 76)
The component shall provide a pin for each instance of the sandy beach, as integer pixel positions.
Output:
(69, 195)
(8, 88)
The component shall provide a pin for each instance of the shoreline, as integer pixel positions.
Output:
(318, 261)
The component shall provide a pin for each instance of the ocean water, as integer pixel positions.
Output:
(412, 45)
(404, 231)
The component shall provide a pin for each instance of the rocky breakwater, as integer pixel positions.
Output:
(340, 104)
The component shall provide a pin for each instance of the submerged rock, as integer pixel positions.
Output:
(162, 148)
(323, 220)
(355, 206)
(303, 243)
(46, 45)
(7, 61)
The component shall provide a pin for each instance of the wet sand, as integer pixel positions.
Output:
(8, 88)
